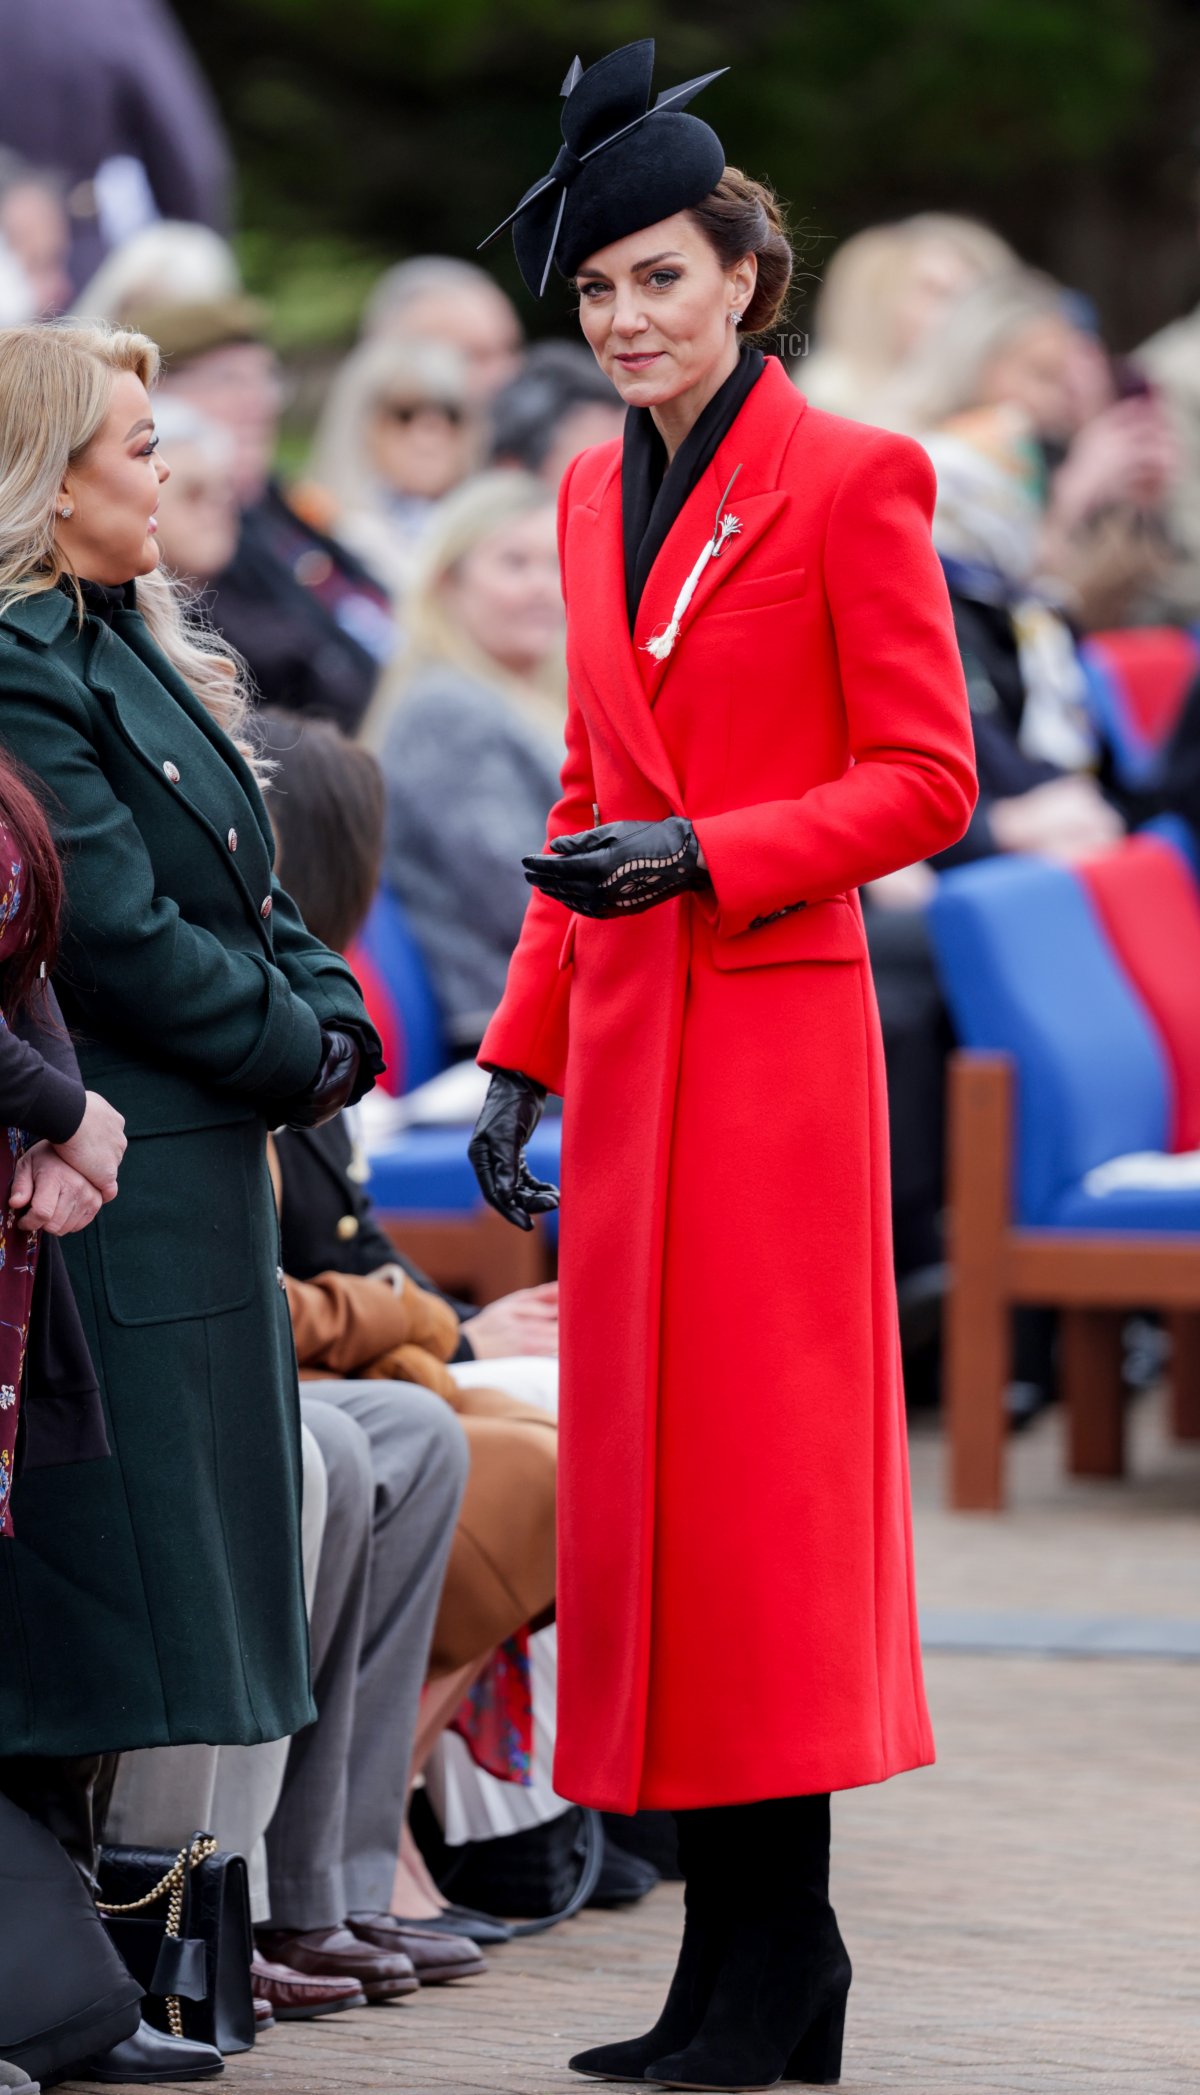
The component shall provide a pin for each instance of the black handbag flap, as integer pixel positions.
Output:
(129, 1873)
(182, 1968)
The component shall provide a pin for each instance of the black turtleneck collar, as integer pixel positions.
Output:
(653, 492)
(100, 600)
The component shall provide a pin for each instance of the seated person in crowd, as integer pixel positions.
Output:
(312, 624)
(448, 300)
(323, 795)
(329, 1227)
(1038, 760)
(880, 293)
(198, 521)
(1020, 342)
(364, 1312)
(558, 404)
(470, 732)
(35, 229)
(1038, 755)
(397, 432)
(171, 261)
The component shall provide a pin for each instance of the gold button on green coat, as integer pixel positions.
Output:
(155, 1598)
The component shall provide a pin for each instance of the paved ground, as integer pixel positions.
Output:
(1024, 1918)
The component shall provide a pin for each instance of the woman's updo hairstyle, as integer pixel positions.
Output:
(744, 217)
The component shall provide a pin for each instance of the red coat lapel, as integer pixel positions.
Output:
(599, 649)
(690, 533)
(623, 677)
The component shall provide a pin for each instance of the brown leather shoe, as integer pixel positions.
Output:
(335, 1952)
(435, 1958)
(296, 1996)
(264, 2015)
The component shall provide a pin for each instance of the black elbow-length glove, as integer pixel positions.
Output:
(620, 869)
(511, 1112)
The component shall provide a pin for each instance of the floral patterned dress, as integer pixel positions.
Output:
(18, 1247)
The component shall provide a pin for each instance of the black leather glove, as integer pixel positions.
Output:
(331, 1088)
(371, 1064)
(511, 1111)
(620, 869)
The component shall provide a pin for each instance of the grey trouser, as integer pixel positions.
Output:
(396, 1459)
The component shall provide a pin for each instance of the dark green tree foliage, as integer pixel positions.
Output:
(369, 129)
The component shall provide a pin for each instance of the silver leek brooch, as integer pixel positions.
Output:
(725, 527)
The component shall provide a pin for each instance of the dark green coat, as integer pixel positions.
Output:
(155, 1598)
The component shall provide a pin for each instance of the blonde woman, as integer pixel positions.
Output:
(470, 736)
(883, 291)
(398, 432)
(156, 1598)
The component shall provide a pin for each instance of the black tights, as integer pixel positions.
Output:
(758, 1854)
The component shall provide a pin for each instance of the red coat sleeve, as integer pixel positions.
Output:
(529, 1029)
(911, 786)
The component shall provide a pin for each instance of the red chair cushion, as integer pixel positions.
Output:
(1149, 905)
(381, 1010)
(1154, 667)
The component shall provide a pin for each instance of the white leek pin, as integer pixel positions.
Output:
(726, 527)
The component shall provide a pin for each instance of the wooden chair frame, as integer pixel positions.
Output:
(479, 1256)
(1094, 1281)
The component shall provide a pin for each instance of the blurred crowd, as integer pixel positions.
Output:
(396, 602)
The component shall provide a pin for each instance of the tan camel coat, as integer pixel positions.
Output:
(501, 1570)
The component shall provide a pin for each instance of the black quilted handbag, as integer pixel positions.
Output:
(182, 1924)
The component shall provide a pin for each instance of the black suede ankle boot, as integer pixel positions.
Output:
(708, 1902)
(778, 2006)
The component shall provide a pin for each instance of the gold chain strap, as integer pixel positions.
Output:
(175, 1883)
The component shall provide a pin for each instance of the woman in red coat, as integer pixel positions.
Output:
(767, 710)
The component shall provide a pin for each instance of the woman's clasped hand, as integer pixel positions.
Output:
(620, 868)
(61, 1187)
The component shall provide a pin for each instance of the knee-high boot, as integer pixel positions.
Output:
(706, 1859)
(778, 2006)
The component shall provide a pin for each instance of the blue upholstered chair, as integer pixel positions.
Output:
(388, 942)
(421, 1180)
(1062, 1071)
(1137, 681)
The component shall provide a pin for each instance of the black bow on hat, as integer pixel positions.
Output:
(622, 164)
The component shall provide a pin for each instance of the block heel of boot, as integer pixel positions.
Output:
(817, 2059)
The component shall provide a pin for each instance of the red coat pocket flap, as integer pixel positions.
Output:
(567, 951)
(747, 591)
(821, 931)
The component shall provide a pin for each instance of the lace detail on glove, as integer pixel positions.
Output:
(624, 866)
(634, 884)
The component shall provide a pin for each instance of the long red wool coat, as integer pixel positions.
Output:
(735, 1592)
